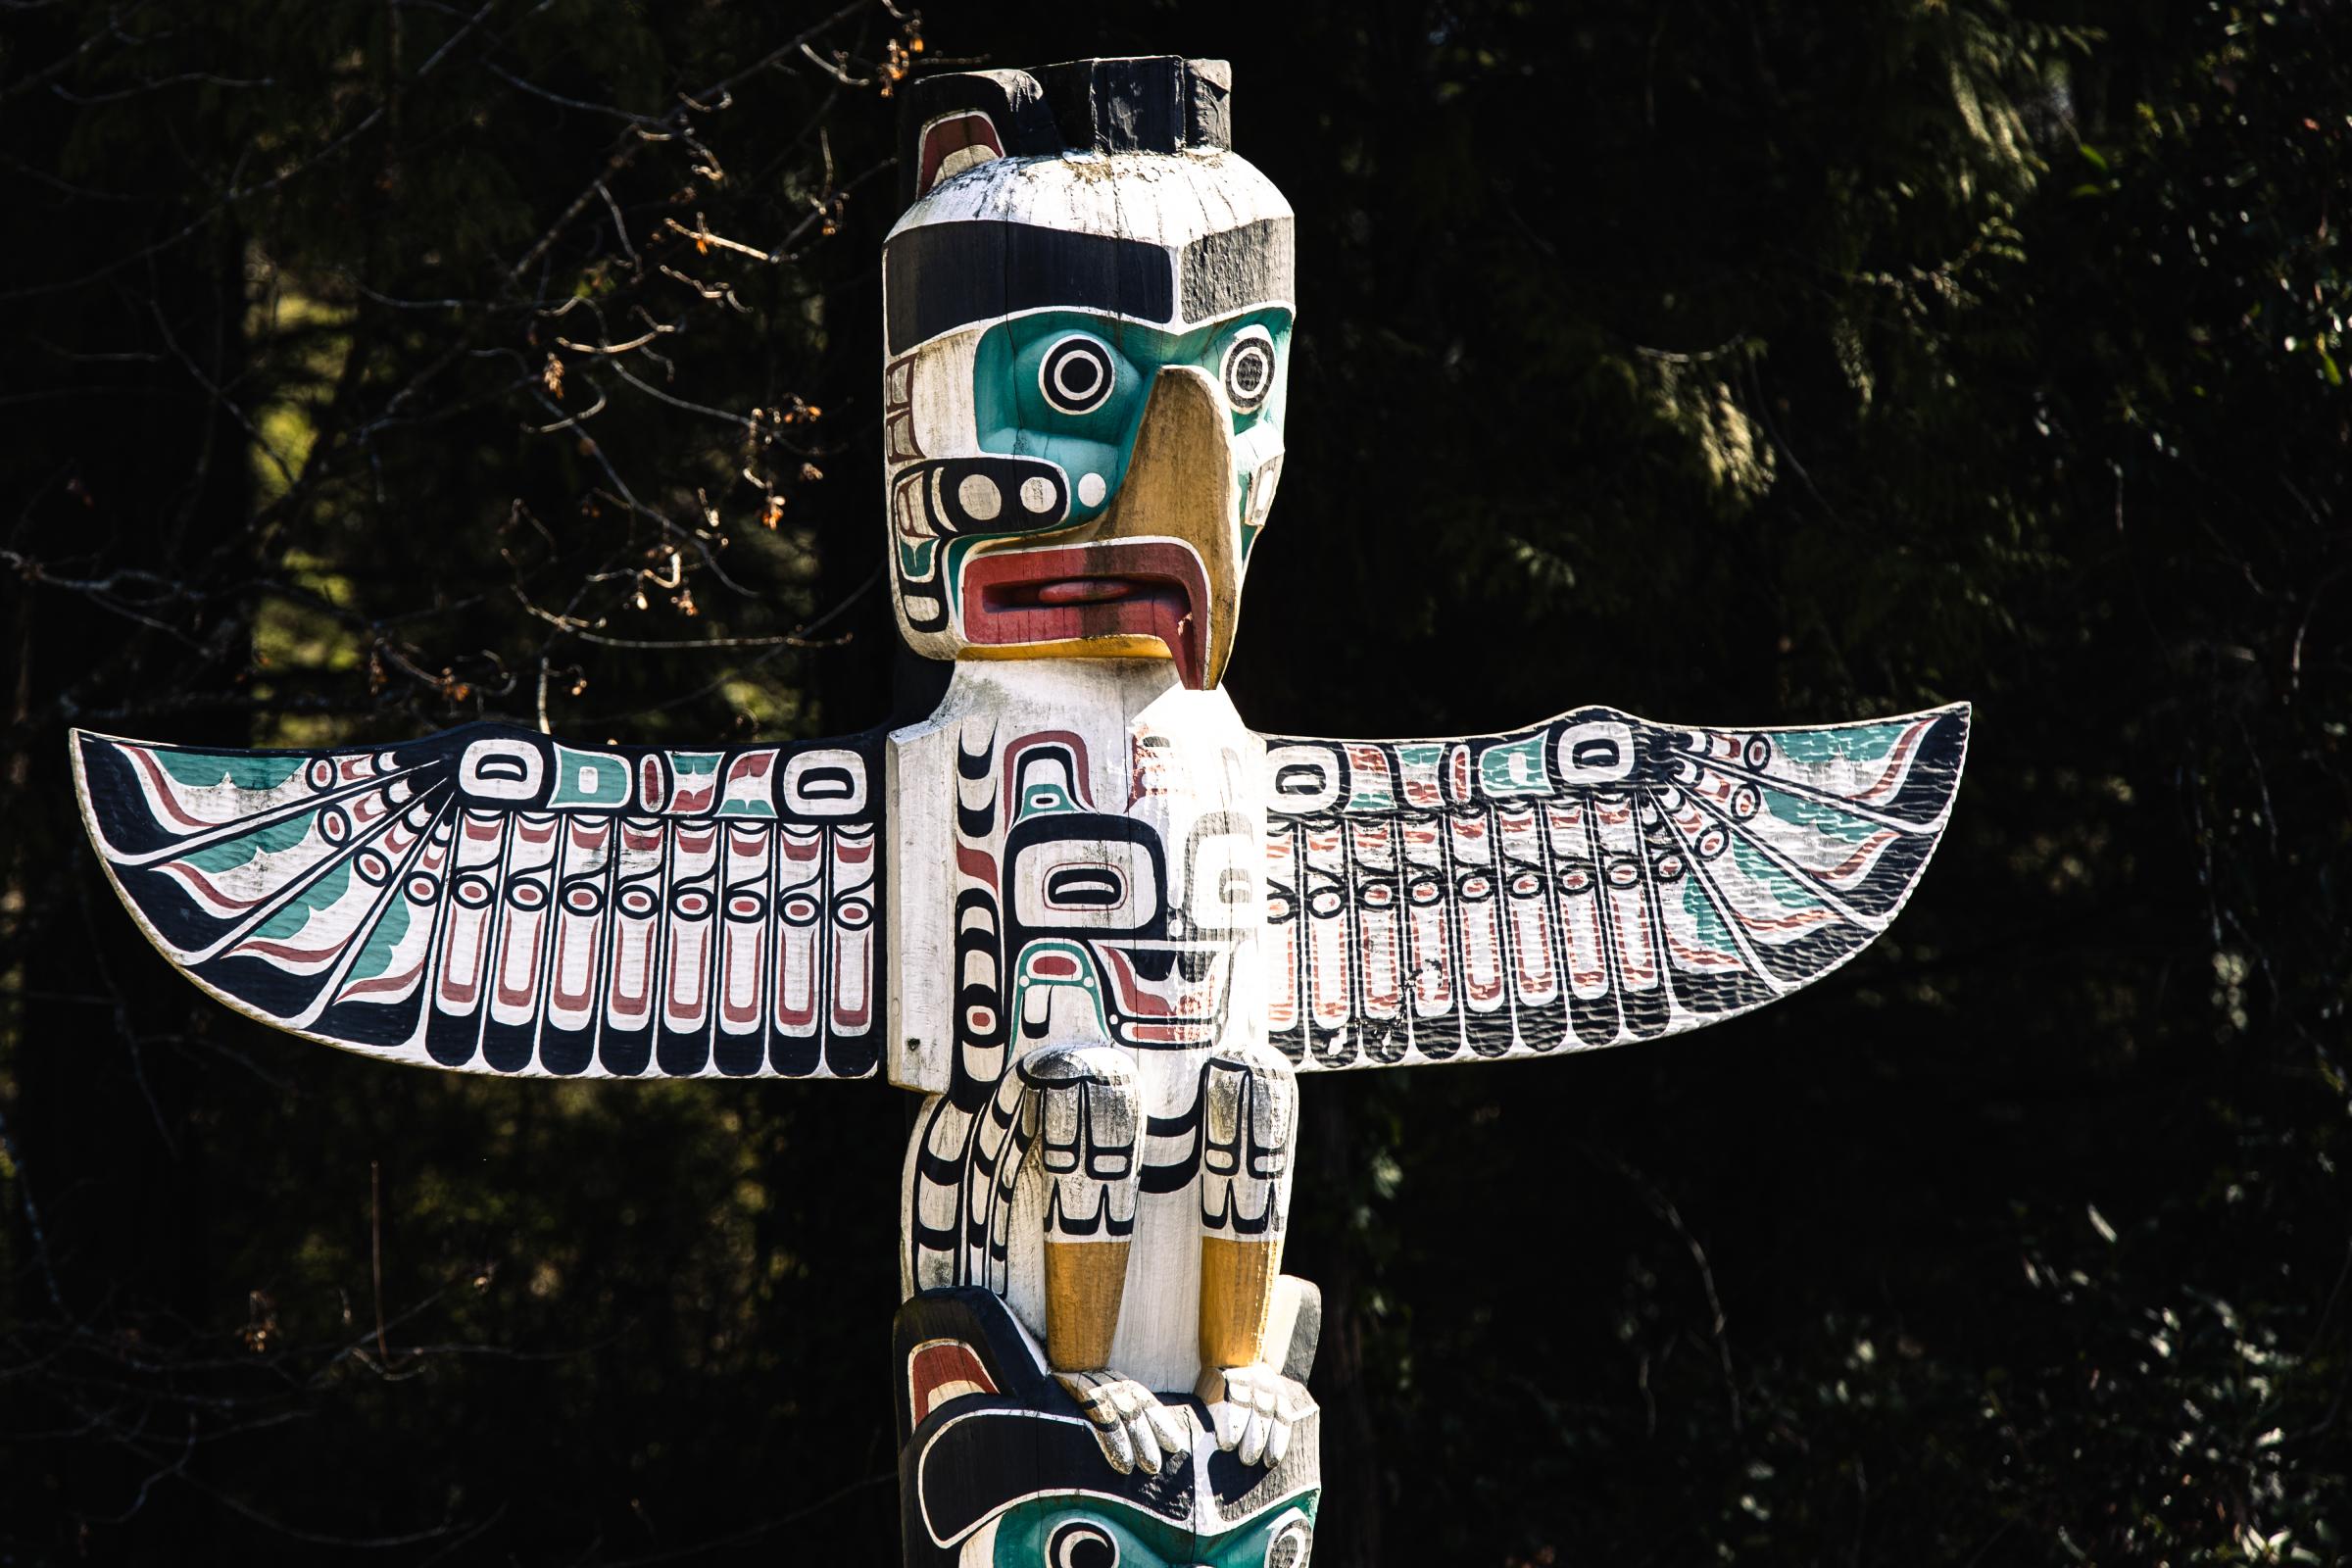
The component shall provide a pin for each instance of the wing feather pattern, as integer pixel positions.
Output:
(489, 900)
(1595, 880)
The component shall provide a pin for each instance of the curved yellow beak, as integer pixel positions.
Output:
(1169, 536)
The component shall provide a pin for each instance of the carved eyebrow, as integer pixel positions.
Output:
(940, 277)
(1238, 267)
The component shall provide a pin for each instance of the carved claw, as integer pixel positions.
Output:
(1252, 1409)
(1134, 1427)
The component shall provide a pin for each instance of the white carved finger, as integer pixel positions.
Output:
(1143, 1441)
(1254, 1437)
(1092, 1391)
(1231, 1420)
(1170, 1427)
(1112, 1431)
(1117, 1448)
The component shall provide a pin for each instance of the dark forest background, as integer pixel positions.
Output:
(369, 367)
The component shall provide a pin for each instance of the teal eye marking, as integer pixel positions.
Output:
(1082, 1544)
(1077, 374)
(1041, 798)
(1052, 1532)
(1247, 369)
(1071, 386)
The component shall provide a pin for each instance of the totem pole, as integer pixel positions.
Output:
(1097, 923)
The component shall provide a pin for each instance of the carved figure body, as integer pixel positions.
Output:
(1088, 989)
(1101, 925)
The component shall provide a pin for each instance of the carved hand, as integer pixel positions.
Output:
(1132, 1425)
(1253, 1408)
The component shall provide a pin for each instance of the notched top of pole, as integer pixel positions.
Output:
(1139, 103)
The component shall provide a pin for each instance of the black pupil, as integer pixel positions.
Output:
(1249, 374)
(1078, 373)
(1085, 1548)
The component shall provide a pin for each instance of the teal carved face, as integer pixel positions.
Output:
(1109, 481)
(1071, 386)
(1053, 1533)
(1083, 405)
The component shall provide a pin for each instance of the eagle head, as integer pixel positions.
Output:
(1088, 308)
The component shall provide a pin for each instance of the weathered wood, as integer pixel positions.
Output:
(1120, 923)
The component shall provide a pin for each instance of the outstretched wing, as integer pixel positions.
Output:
(493, 901)
(1595, 880)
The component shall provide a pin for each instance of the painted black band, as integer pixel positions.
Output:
(941, 277)
(1237, 269)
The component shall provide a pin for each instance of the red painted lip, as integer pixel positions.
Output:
(1114, 588)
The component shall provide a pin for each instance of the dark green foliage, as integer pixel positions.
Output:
(1755, 364)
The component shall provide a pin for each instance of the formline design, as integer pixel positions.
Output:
(1097, 923)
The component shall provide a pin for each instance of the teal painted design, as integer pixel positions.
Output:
(1753, 863)
(1708, 924)
(290, 920)
(1079, 976)
(1820, 817)
(229, 853)
(1016, 419)
(1693, 874)
(1031, 1533)
(589, 778)
(1514, 768)
(317, 913)
(1859, 743)
(1416, 770)
(1042, 798)
(377, 957)
(245, 771)
(1095, 436)
(1368, 789)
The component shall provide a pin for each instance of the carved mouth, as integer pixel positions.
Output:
(1074, 594)
(1167, 992)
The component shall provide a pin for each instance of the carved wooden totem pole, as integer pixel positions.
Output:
(1096, 922)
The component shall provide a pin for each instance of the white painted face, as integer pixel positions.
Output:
(1084, 403)
(1131, 912)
